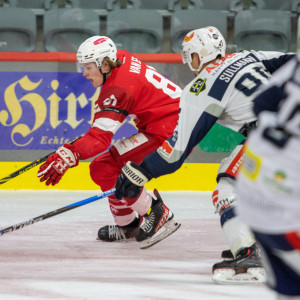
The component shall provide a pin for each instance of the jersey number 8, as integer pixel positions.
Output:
(161, 82)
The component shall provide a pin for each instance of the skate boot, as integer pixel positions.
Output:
(227, 254)
(244, 269)
(158, 217)
(111, 233)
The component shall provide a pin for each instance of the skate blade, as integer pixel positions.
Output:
(228, 276)
(129, 240)
(168, 228)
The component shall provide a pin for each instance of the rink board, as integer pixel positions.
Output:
(191, 176)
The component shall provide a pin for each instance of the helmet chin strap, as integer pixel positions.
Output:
(104, 75)
(196, 70)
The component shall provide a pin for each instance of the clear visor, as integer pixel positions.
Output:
(186, 56)
(79, 68)
(86, 66)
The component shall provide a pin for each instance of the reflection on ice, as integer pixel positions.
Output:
(60, 258)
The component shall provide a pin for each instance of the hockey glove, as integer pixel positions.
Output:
(57, 164)
(131, 181)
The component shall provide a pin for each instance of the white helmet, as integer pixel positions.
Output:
(95, 49)
(207, 42)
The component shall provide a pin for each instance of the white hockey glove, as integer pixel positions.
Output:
(131, 181)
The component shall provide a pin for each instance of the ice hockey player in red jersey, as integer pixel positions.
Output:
(129, 87)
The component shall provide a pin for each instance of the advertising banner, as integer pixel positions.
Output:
(44, 110)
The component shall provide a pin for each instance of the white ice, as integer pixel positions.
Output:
(60, 258)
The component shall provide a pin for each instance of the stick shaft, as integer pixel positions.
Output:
(57, 212)
(26, 168)
(29, 166)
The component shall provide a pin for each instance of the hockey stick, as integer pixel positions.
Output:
(57, 212)
(30, 166)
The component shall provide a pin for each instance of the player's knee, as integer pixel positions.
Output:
(94, 172)
(224, 195)
(104, 174)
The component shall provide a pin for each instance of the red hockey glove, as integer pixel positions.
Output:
(57, 164)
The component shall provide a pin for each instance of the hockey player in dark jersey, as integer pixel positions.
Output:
(222, 92)
(268, 187)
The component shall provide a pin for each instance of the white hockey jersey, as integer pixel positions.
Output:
(223, 92)
(268, 184)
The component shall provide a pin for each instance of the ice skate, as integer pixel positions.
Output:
(246, 268)
(227, 254)
(158, 224)
(112, 233)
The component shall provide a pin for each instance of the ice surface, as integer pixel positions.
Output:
(60, 258)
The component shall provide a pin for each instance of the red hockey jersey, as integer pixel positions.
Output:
(134, 89)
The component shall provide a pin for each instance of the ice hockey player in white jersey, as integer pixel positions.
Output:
(223, 91)
(268, 186)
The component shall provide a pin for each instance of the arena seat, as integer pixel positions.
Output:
(262, 30)
(17, 29)
(136, 30)
(101, 7)
(225, 5)
(39, 7)
(287, 5)
(66, 28)
(183, 21)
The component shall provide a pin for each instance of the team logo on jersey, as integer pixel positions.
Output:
(279, 176)
(167, 147)
(252, 164)
(133, 140)
(278, 181)
(198, 86)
